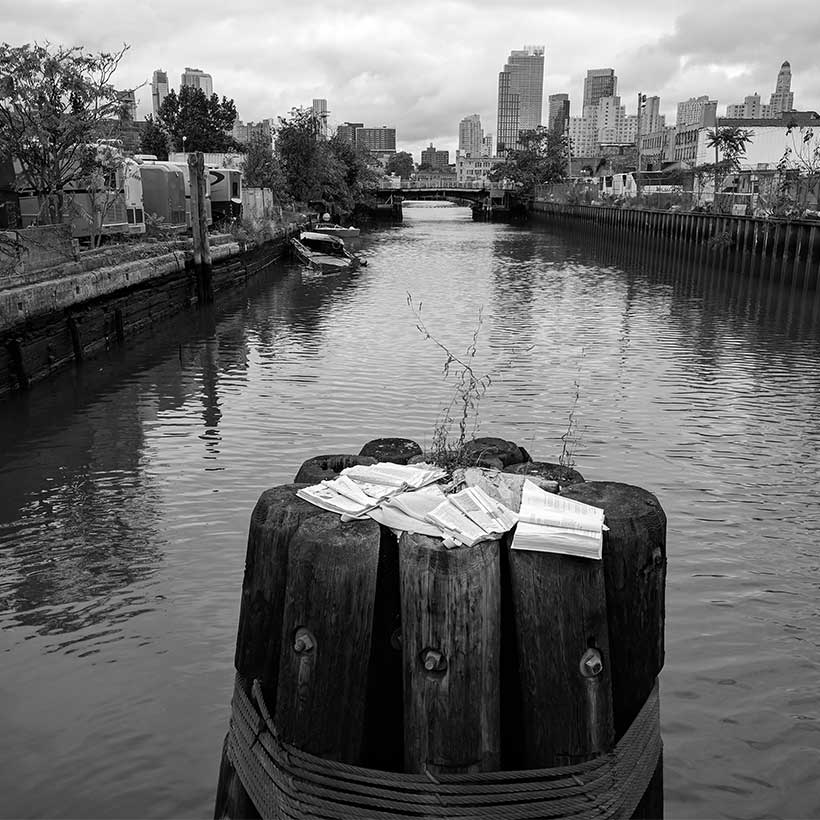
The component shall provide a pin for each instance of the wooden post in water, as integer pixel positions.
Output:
(199, 227)
(304, 629)
(559, 608)
(451, 640)
(634, 567)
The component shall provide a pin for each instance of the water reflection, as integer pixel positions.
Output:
(128, 483)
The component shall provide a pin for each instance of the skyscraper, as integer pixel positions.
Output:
(470, 135)
(159, 89)
(196, 78)
(783, 97)
(558, 116)
(320, 112)
(599, 82)
(520, 96)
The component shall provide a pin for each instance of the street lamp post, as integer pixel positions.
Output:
(183, 143)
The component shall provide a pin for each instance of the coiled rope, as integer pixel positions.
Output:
(285, 783)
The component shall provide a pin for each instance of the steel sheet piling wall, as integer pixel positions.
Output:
(777, 251)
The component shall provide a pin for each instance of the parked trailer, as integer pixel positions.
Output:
(163, 194)
(113, 208)
(226, 192)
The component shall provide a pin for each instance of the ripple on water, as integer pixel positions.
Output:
(127, 490)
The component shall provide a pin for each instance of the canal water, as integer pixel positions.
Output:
(127, 487)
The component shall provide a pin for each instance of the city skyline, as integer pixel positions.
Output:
(389, 68)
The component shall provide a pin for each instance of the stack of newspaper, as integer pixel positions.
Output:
(362, 488)
(552, 523)
(407, 499)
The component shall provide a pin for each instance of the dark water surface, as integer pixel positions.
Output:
(127, 488)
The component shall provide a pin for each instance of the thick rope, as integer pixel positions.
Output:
(285, 783)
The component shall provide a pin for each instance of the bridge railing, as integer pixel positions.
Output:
(417, 185)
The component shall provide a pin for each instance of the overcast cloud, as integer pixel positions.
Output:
(422, 66)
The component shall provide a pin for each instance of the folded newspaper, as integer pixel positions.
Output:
(406, 498)
(552, 523)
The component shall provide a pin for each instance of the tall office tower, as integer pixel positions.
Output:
(750, 109)
(520, 96)
(470, 135)
(196, 78)
(376, 139)
(320, 112)
(347, 131)
(487, 145)
(159, 89)
(697, 110)
(651, 118)
(783, 97)
(558, 116)
(435, 159)
(599, 82)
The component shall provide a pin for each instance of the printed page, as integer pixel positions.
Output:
(548, 509)
(580, 543)
(396, 520)
(352, 490)
(454, 522)
(468, 503)
(328, 499)
(418, 503)
(505, 517)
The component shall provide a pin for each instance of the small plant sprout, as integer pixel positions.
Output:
(463, 409)
(571, 439)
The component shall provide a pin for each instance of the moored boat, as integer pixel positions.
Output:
(337, 230)
(324, 253)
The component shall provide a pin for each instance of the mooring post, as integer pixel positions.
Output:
(559, 609)
(199, 227)
(634, 566)
(451, 640)
(304, 629)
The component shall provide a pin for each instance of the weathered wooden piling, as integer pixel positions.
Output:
(634, 568)
(559, 606)
(405, 656)
(199, 228)
(451, 640)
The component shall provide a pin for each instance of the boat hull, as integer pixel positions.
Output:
(337, 230)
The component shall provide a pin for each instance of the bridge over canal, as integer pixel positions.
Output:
(494, 197)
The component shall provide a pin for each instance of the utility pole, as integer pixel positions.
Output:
(641, 103)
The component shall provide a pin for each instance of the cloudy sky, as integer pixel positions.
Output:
(421, 65)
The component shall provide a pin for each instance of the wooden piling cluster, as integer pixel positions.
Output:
(786, 252)
(402, 655)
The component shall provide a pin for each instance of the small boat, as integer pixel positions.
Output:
(324, 253)
(337, 230)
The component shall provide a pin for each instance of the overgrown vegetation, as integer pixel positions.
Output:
(542, 158)
(731, 141)
(314, 169)
(54, 102)
(458, 422)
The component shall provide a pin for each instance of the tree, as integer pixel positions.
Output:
(731, 141)
(54, 101)
(261, 169)
(154, 139)
(541, 159)
(798, 172)
(358, 172)
(401, 164)
(204, 122)
(299, 153)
